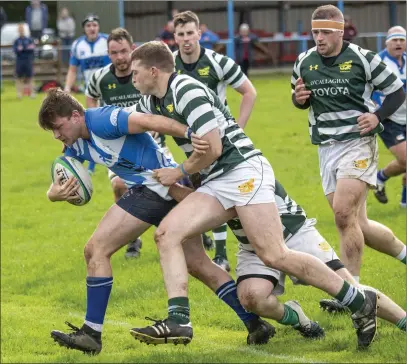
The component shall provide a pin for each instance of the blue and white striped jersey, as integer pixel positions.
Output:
(132, 157)
(399, 116)
(89, 56)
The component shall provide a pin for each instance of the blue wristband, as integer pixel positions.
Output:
(183, 171)
(188, 133)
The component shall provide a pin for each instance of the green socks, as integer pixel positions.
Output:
(402, 324)
(290, 317)
(402, 256)
(178, 310)
(351, 297)
(220, 235)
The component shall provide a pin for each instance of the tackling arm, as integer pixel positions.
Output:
(91, 102)
(197, 161)
(140, 123)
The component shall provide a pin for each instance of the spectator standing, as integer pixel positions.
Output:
(36, 16)
(349, 31)
(167, 36)
(245, 44)
(23, 48)
(208, 38)
(66, 31)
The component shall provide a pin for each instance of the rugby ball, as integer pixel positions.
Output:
(67, 167)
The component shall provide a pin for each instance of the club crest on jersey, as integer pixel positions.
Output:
(324, 246)
(345, 66)
(204, 71)
(246, 187)
(361, 163)
(312, 68)
(170, 108)
(111, 86)
(113, 116)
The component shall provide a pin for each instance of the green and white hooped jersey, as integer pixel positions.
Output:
(342, 92)
(105, 86)
(214, 70)
(292, 218)
(192, 103)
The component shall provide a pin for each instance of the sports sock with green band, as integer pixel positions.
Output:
(220, 235)
(290, 317)
(178, 310)
(401, 324)
(402, 256)
(350, 297)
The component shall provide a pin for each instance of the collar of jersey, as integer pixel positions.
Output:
(92, 42)
(331, 61)
(122, 80)
(191, 66)
(173, 75)
(393, 59)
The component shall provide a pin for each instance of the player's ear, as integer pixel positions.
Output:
(154, 71)
(75, 115)
(133, 47)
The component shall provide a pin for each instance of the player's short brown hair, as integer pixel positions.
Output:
(155, 54)
(327, 12)
(186, 17)
(58, 103)
(119, 34)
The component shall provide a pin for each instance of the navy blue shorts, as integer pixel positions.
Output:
(393, 133)
(24, 69)
(145, 204)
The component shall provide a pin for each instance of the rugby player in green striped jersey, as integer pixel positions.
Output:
(335, 80)
(237, 180)
(215, 71)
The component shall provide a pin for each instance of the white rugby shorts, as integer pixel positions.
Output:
(250, 182)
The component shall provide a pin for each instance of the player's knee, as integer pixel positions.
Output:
(275, 259)
(250, 299)
(88, 251)
(160, 234)
(344, 217)
(95, 249)
(402, 161)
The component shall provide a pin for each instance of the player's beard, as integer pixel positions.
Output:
(123, 67)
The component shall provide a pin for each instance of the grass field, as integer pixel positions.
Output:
(43, 271)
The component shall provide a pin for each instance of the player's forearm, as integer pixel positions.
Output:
(246, 107)
(391, 104)
(91, 102)
(70, 78)
(162, 125)
(179, 192)
(197, 162)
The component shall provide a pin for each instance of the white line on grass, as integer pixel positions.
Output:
(246, 349)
